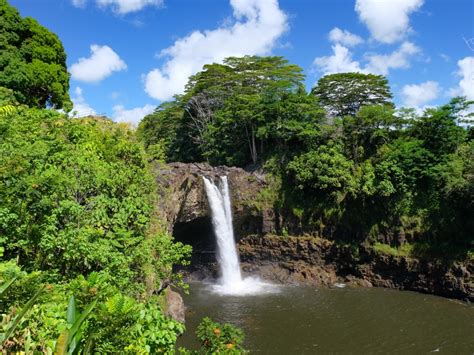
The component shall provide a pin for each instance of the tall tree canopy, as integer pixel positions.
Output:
(231, 113)
(369, 170)
(32, 61)
(345, 93)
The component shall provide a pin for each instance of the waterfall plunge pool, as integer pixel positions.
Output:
(305, 320)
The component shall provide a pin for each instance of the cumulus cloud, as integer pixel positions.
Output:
(341, 61)
(121, 7)
(388, 20)
(418, 95)
(344, 37)
(133, 116)
(466, 84)
(398, 59)
(80, 107)
(102, 63)
(254, 30)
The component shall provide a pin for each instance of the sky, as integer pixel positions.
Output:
(127, 56)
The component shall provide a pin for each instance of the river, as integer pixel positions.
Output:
(304, 320)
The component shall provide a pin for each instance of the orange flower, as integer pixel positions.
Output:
(217, 331)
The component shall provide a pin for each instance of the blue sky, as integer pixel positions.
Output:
(127, 56)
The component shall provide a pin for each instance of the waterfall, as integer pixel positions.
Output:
(219, 202)
(231, 281)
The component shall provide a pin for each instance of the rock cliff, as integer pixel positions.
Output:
(320, 262)
(288, 259)
(184, 205)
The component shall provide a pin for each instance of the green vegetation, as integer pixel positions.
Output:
(32, 63)
(348, 165)
(216, 338)
(76, 209)
(404, 250)
(234, 113)
(345, 94)
(84, 259)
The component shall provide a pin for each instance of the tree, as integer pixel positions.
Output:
(438, 127)
(158, 129)
(225, 106)
(345, 93)
(367, 130)
(325, 169)
(32, 61)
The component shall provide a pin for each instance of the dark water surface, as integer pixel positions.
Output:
(303, 320)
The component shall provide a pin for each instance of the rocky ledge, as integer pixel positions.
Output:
(320, 262)
(184, 198)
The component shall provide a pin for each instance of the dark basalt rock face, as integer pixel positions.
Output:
(320, 262)
(184, 205)
(300, 260)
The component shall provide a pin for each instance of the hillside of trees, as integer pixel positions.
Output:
(344, 160)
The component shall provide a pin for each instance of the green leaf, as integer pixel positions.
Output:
(61, 343)
(6, 285)
(20, 315)
(77, 324)
(71, 310)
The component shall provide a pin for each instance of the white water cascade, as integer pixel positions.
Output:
(231, 281)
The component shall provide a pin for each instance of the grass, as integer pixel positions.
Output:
(404, 250)
(436, 252)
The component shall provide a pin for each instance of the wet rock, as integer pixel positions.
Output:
(183, 197)
(320, 262)
(174, 306)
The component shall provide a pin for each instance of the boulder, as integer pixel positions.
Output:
(174, 305)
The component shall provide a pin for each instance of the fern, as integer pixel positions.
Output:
(7, 110)
(119, 305)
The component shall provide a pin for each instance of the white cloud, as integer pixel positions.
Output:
(125, 6)
(80, 107)
(255, 29)
(102, 63)
(388, 20)
(344, 37)
(79, 3)
(445, 57)
(399, 59)
(419, 95)
(466, 71)
(341, 61)
(133, 116)
(121, 7)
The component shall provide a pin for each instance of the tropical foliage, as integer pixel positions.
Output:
(32, 62)
(349, 165)
(76, 203)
